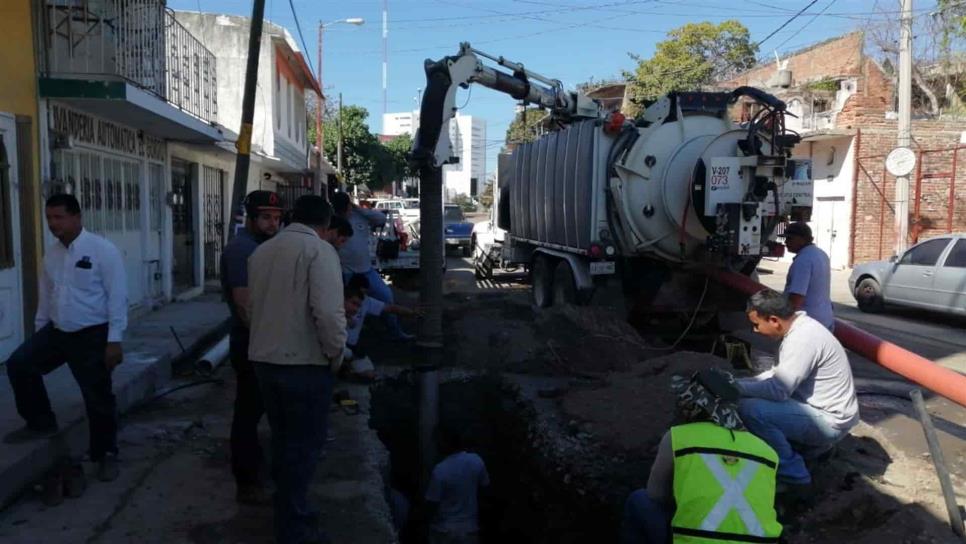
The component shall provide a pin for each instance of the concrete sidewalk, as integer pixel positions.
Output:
(150, 348)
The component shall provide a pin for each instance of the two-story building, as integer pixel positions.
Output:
(119, 82)
(844, 106)
(280, 157)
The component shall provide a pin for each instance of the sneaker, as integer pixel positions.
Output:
(402, 337)
(107, 469)
(52, 488)
(74, 481)
(253, 495)
(28, 433)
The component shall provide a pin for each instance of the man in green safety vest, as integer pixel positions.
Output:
(712, 481)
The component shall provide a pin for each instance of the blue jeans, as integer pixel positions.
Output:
(296, 399)
(645, 520)
(379, 291)
(782, 424)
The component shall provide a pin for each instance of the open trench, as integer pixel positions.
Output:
(530, 498)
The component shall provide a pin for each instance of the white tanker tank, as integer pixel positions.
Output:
(603, 197)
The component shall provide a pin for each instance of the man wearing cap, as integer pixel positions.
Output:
(807, 402)
(711, 481)
(263, 210)
(809, 280)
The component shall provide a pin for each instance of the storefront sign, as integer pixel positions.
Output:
(88, 129)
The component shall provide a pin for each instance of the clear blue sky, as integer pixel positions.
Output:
(572, 40)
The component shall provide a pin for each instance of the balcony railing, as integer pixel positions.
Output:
(138, 41)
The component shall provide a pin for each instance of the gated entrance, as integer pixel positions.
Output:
(182, 223)
(935, 206)
(214, 219)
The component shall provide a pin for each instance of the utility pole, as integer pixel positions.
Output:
(904, 125)
(385, 57)
(244, 143)
(320, 107)
(338, 155)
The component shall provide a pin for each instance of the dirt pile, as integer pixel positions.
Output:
(631, 410)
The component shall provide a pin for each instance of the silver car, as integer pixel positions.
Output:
(930, 275)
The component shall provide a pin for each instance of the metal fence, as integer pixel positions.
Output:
(933, 201)
(138, 41)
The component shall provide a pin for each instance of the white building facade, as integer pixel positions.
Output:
(467, 135)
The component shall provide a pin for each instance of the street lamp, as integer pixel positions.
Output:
(319, 135)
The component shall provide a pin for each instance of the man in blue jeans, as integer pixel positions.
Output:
(298, 333)
(807, 402)
(356, 258)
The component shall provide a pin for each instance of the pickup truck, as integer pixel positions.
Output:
(457, 231)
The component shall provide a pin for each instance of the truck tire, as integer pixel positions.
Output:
(541, 281)
(868, 295)
(564, 286)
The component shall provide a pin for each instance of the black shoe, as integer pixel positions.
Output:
(27, 434)
(107, 469)
(74, 481)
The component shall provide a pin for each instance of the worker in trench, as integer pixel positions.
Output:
(712, 481)
(805, 404)
(809, 281)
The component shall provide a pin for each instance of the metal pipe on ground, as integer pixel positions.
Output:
(216, 355)
(916, 368)
(939, 461)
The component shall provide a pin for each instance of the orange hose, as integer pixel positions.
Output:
(918, 369)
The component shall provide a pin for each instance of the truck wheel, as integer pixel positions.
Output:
(868, 294)
(564, 286)
(541, 282)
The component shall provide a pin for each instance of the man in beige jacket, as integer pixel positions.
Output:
(298, 332)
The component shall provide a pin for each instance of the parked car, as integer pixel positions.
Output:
(930, 275)
(408, 208)
(458, 232)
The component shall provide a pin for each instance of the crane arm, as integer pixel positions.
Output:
(445, 76)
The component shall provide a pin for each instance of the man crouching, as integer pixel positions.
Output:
(807, 403)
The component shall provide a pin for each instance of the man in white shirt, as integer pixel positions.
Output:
(81, 317)
(807, 402)
(357, 260)
(809, 281)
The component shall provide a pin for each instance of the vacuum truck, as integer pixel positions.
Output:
(601, 201)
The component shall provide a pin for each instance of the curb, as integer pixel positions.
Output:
(135, 381)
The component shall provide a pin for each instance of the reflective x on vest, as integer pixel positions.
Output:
(733, 497)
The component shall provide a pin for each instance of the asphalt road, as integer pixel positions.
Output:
(938, 337)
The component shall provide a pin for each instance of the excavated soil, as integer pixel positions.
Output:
(584, 401)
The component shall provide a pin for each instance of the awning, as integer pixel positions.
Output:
(126, 104)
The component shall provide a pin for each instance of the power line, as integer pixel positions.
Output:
(788, 22)
(810, 21)
(305, 48)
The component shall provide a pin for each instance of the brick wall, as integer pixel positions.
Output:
(878, 138)
(837, 57)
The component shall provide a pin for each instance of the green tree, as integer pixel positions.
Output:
(398, 148)
(525, 126)
(692, 56)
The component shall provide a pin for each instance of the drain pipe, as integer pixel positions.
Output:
(939, 380)
(213, 357)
